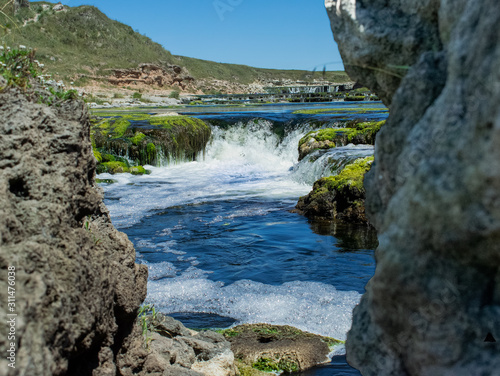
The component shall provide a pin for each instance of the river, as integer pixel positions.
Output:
(218, 237)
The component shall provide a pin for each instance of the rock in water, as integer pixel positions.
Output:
(433, 190)
(77, 287)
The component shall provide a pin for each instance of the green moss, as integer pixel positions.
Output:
(115, 167)
(351, 178)
(266, 365)
(364, 132)
(108, 158)
(120, 127)
(138, 137)
(97, 155)
(326, 111)
(137, 170)
(151, 150)
(331, 342)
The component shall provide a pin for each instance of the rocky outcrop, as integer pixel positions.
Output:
(167, 347)
(355, 132)
(77, 287)
(340, 197)
(147, 139)
(153, 75)
(276, 348)
(433, 305)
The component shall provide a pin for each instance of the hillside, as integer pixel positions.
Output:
(82, 44)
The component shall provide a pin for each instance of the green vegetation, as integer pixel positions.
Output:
(350, 179)
(245, 74)
(275, 365)
(174, 94)
(82, 42)
(137, 95)
(138, 137)
(97, 155)
(354, 132)
(116, 167)
(326, 111)
(19, 68)
(266, 365)
(146, 316)
(147, 139)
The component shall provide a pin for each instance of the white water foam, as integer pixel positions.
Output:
(245, 161)
(311, 306)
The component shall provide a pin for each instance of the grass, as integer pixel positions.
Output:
(20, 69)
(83, 42)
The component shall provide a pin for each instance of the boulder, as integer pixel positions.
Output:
(354, 132)
(338, 197)
(275, 348)
(433, 305)
(150, 139)
(77, 287)
(167, 347)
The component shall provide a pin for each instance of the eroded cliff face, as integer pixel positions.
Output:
(433, 190)
(77, 287)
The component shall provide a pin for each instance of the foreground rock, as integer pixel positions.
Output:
(274, 348)
(433, 306)
(339, 197)
(167, 347)
(77, 287)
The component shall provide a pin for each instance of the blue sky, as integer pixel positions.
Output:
(292, 34)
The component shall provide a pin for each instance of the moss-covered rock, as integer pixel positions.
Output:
(275, 348)
(116, 167)
(97, 155)
(339, 197)
(354, 132)
(148, 139)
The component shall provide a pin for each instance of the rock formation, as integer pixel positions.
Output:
(147, 139)
(277, 348)
(433, 306)
(153, 75)
(339, 197)
(77, 287)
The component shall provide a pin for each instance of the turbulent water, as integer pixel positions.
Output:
(220, 242)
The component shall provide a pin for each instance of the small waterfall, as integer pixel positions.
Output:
(274, 147)
(329, 162)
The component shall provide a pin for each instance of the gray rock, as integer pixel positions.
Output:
(432, 192)
(77, 286)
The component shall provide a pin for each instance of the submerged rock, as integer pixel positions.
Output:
(432, 192)
(339, 197)
(274, 348)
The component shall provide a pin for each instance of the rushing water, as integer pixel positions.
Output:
(221, 244)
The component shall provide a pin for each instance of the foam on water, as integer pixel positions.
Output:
(311, 306)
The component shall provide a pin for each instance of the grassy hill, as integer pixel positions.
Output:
(83, 40)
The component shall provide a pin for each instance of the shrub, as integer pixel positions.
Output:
(174, 94)
(137, 95)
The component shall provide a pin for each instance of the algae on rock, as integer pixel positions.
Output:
(276, 348)
(354, 132)
(339, 197)
(148, 139)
